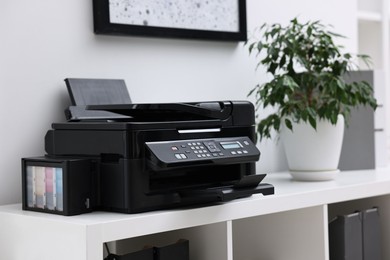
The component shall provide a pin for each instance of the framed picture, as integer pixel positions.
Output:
(194, 19)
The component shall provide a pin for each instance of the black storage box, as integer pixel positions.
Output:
(144, 254)
(177, 251)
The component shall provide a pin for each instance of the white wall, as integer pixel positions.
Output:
(43, 42)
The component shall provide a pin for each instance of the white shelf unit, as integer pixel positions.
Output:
(373, 18)
(292, 224)
(369, 16)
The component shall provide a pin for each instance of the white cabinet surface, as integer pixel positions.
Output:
(292, 224)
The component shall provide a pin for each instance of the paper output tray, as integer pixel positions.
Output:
(246, 187)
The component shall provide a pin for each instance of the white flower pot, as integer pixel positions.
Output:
(313, 155)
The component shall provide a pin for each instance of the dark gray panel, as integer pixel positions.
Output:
(97, 91)
(358, 150)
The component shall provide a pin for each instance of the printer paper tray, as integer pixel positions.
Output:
(224, 193)
(246, 187)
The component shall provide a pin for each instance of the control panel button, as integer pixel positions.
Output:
(174, 148)
(212, 147)
(180, 156)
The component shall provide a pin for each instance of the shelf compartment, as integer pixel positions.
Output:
(295, 235)
(382, 202)
(207, 242)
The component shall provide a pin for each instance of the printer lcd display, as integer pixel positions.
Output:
(231, 145)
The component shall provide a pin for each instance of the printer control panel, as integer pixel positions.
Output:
(197, 151)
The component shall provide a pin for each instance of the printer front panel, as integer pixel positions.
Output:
(130, 187)
(129, 181)
(151, 186)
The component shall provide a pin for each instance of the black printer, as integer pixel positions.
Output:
(117, 156)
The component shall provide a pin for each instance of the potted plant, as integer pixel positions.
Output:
(308, 93)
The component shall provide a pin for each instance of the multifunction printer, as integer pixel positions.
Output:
(115, 155)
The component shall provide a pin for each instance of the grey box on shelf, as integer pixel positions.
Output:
(358, 150)
(356, 236)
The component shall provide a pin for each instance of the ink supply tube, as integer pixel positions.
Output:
(39, 186)
(30, 187)
(59, 190)
(49, 188)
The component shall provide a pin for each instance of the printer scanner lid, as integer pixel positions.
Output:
(157, 115)
(170, 111)
(106, 104)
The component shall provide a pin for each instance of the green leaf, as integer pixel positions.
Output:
(333, 118)
(253, 90)
(311, 112)
(313, 122)
(309, 30)
(272, 68)
(251, 47)
(276, 123)
(304, 115)
(288, 124)
(282, 61)
(340, 84)
(260, 46)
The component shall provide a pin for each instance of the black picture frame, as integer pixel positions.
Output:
(103, 25)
